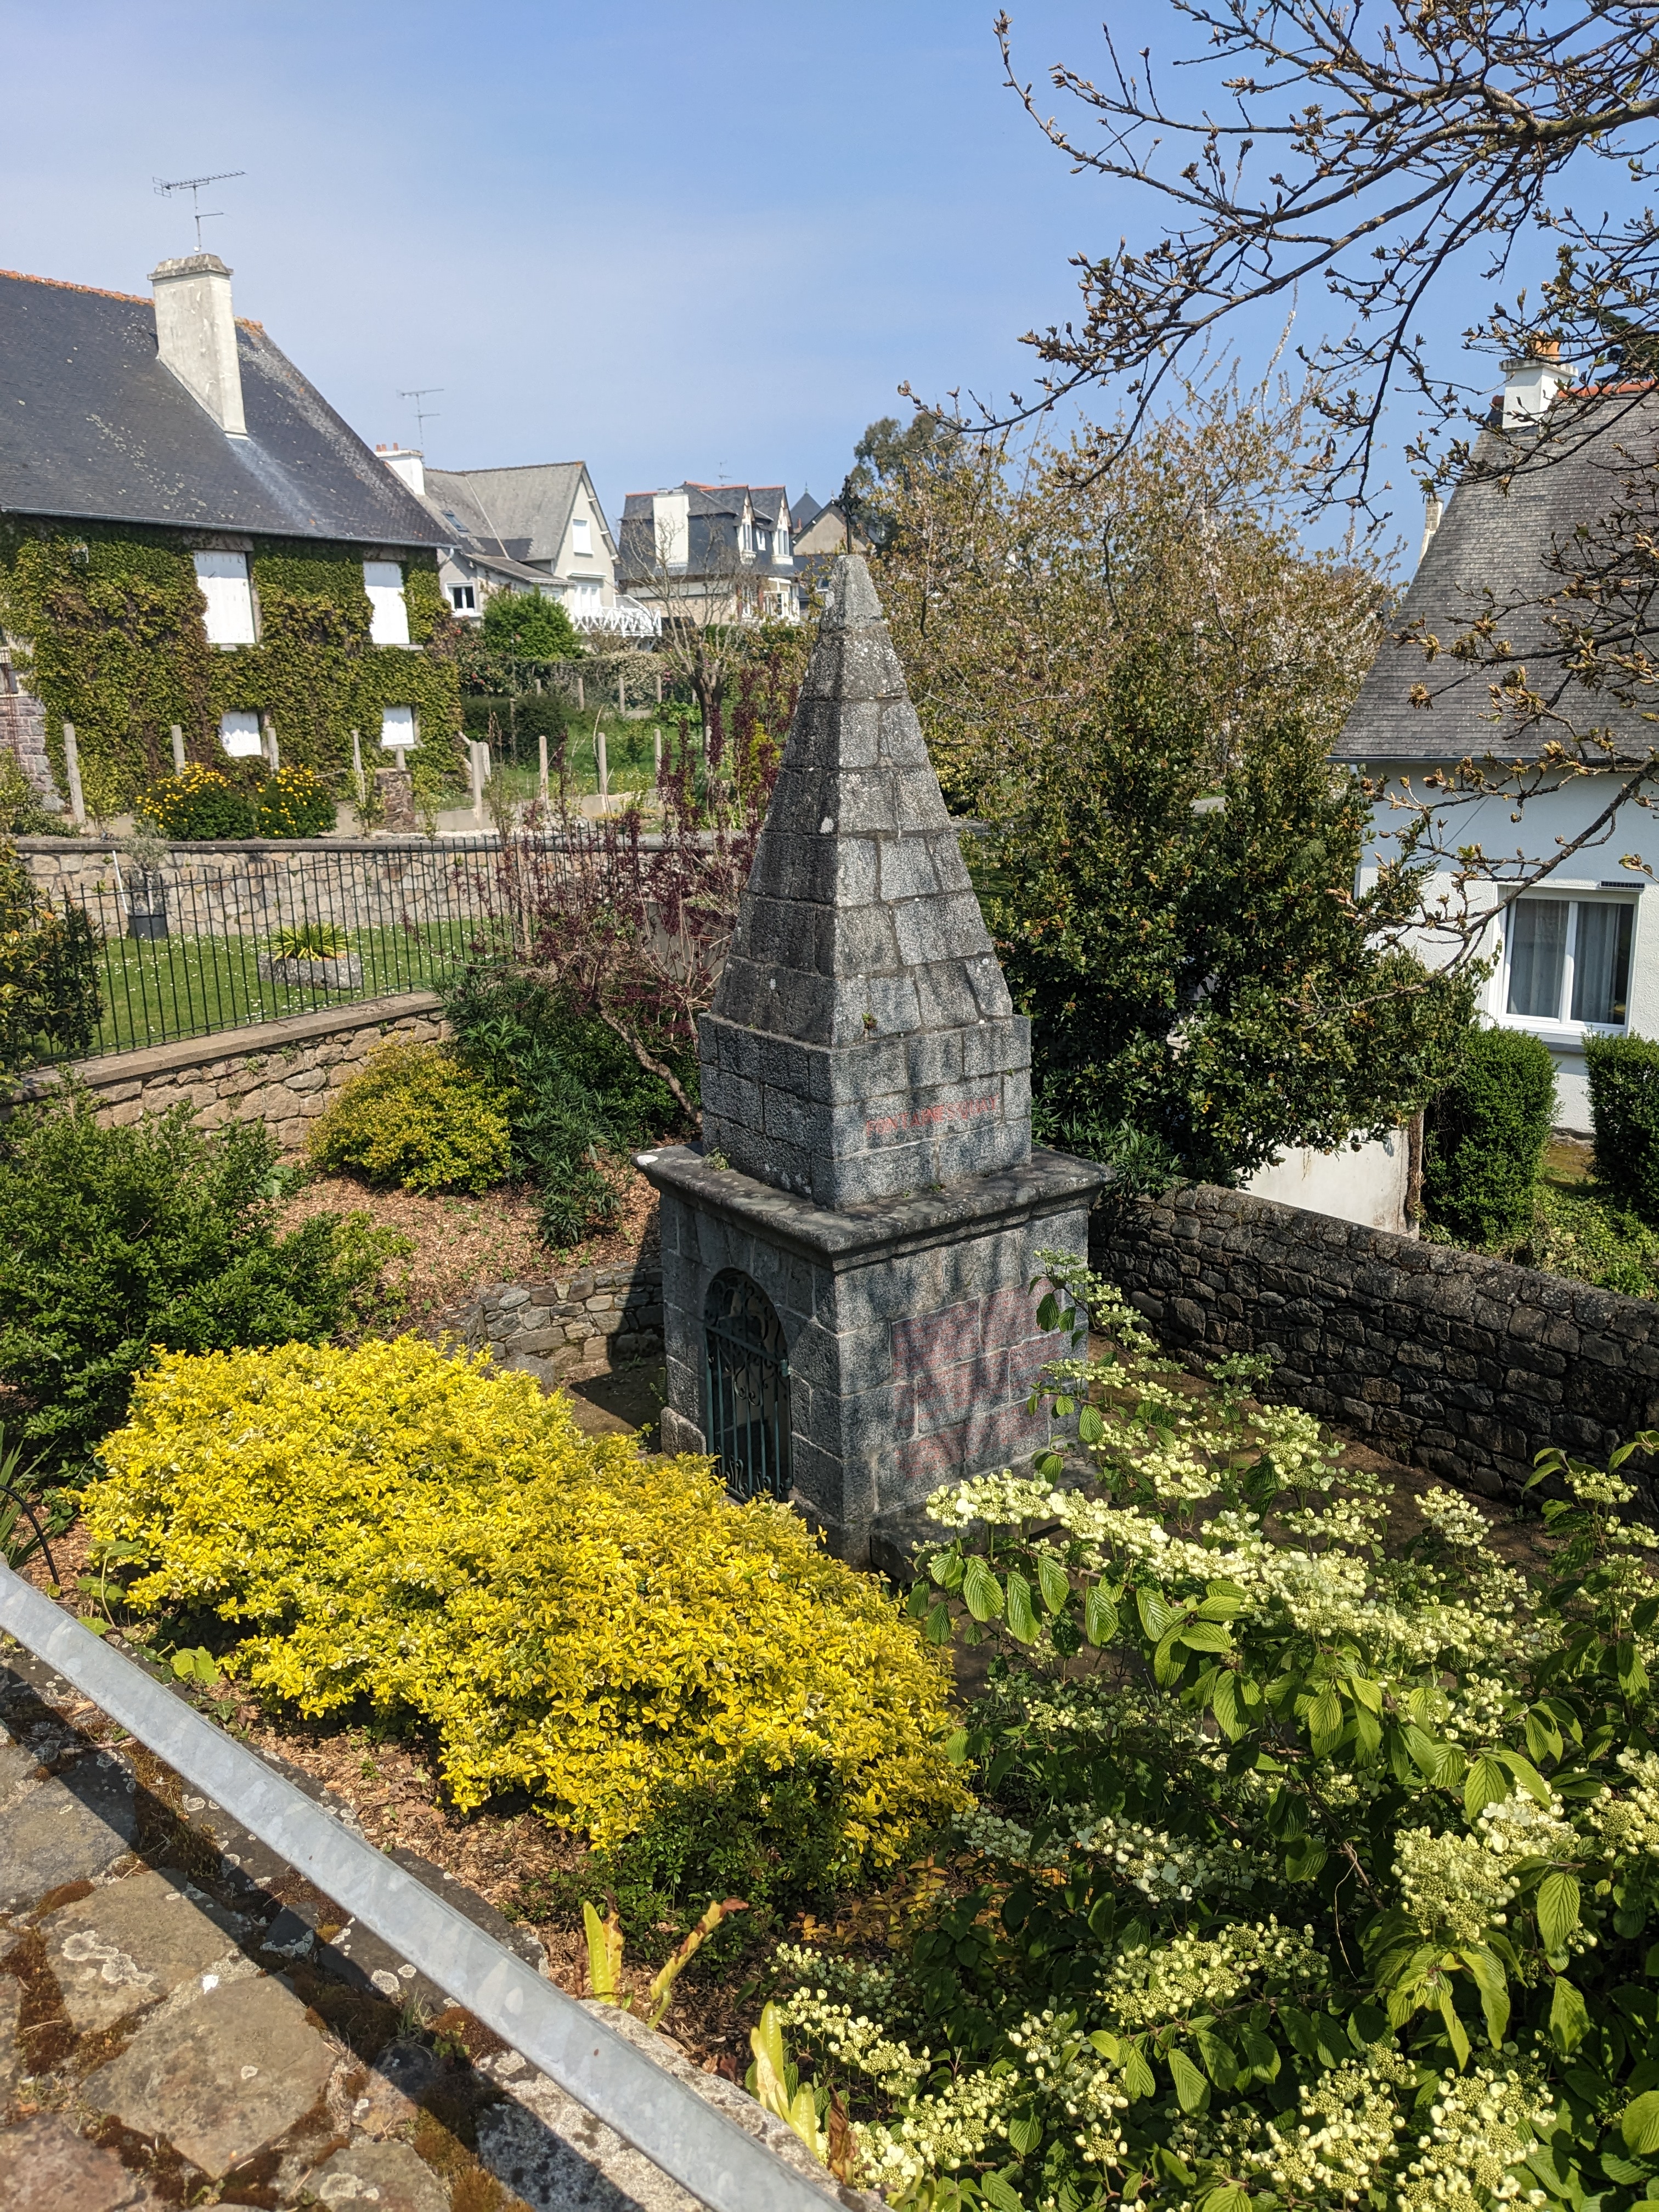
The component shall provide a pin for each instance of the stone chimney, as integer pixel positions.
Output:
(1529, 384)
(196, 335)
(408, 464)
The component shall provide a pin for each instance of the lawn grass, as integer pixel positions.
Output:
(158, 991)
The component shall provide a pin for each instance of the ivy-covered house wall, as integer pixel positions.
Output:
(106, 627)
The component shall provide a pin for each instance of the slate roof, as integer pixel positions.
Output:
(521, 512)
(1498, 541)
(94, 428)
(804, 512)
(712, 549)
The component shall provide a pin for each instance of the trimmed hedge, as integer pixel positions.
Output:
(1487, 1132)
(1624, 1087)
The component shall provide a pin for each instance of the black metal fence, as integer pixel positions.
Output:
(241, 934)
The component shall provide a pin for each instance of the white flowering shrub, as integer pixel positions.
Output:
(1308, 1871)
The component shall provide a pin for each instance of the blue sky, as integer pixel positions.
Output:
(703, 238)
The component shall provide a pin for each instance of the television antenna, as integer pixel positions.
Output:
(167, 185)
(422, 414)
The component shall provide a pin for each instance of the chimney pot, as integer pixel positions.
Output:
(1530, 384)
(408, 464)
(196, 335)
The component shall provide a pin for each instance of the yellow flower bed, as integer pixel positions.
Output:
(439, 1541)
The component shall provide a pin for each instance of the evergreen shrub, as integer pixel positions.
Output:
(294, 803)
(202, 803)
(1487, 1132)
(51, 1001)
(113, 1242)
(416, 1117)
(1624, 1087)
(393, 1530)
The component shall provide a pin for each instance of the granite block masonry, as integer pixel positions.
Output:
(865, 1209)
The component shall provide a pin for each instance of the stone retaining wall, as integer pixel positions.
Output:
(575, 1325)
(1459, 1363)
(282, 1073)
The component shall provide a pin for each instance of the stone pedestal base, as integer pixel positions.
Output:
(909, 1326)
(397, 789)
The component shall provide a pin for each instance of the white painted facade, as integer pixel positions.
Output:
(1370, 1186)
(1580, 956)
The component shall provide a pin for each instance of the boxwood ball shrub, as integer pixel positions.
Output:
(1315, 1867)
(394, 1531)
(1624, 1088)
(417, 1118)
(1488, 1133)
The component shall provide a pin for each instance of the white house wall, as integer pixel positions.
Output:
(1548, 821)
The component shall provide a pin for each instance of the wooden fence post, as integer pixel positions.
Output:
(178, 751)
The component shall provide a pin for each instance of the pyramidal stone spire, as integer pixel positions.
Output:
(861, 1044)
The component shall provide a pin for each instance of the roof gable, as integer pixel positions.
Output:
(93, 427)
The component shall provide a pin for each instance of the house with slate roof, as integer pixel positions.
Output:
(1575, 953)
(535, 528)
(712, 552)
(159, 457)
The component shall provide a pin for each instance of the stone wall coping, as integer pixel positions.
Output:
(100, 847)
(1049, 1182)
(256, 1039)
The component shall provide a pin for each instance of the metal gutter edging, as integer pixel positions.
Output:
(673, 2126)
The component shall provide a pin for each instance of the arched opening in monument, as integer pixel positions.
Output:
(746, 1388)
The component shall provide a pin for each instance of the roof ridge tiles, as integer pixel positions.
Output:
(62, 284)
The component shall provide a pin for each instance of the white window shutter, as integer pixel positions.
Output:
(239, 733)
(223, 581)
(388, 620)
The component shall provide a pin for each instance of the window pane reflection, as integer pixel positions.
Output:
(1600, 964)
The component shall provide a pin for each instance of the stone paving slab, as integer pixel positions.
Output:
(184, 2018)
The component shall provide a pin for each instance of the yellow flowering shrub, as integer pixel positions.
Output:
(393, 1527)
(415, 1117)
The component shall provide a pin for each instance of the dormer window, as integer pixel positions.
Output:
(228, 598)
(388, 615)
(581, 538)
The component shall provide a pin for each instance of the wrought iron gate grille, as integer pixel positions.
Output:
(746, 1390)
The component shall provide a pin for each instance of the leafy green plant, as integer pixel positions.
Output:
(22, 1511)
(1577, 1231)
(21, 814)
(1308, 1871)
(202, 803)
(308, 940)
(115, 1240)
(295, 803)
(1486, 1136)
(396, 1531)
(417, 1117)
(530, 627)
(1624, 1088)
(51, 999)
(604, 1960)
(579, 1097)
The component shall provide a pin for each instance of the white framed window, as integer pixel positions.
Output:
(783, 545)
(463, 598)
(239, 733)
(398, 732)
(388, 617)
(1566, 963)
(581, 538)
(228, 598)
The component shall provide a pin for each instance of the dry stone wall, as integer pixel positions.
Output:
(1459, 1363)
(573, 1325)
(282, 1073)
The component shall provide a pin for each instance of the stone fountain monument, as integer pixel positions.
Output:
(847, 1254)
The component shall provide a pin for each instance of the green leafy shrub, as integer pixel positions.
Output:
(416, 1118)
(530, 627)
(1488, 1133)
(295, 803)
(1310, 1872)
(51, 1001)
(579, 1097)
(21, 814)
(1577, 1231)
(1624, 1088)
(393, 1530)
(201, 803)
(115, 1240)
